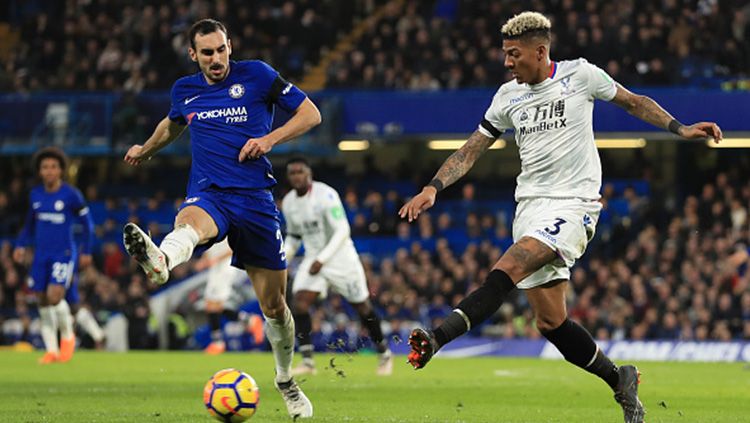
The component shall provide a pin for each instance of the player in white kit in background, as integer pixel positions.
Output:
(550, 106)
(223, 280)
(315, 217)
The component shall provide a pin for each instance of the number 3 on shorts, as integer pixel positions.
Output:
(556, 226)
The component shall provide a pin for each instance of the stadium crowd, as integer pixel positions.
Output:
(640, 279)
(416, 45)
(447, 44)
(132, 46)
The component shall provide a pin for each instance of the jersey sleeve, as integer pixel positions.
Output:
(335, 216)
(600, 84)
(175, 114)
(278, 90)
(495, 122)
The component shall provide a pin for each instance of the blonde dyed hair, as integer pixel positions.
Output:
(524, 23)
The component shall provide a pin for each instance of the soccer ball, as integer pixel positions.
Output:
(231, 396)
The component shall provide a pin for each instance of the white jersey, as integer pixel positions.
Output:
(319, 221)
(553, 130)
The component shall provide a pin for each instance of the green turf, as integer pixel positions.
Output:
(167, 387)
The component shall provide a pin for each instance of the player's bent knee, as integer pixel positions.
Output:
(547, 323)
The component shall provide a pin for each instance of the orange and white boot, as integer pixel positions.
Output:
(67, 347)
(49, 357)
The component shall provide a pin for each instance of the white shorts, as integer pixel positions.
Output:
(222, 278)
(565, 225)
(346, 277)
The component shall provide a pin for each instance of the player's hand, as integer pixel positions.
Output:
(85, 261)
(134, 156)
(421, 202)
(315, 267)
(19, 255)
(255, 147)
(702, 130)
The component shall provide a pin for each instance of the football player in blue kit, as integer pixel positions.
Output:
(228, 107)
(54, 208)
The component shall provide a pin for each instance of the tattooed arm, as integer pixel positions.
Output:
(456, 166)
(647, 110)
(459, 163)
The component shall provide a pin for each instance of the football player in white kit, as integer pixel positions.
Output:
(315, 217)
(549, 105)
(222, 280)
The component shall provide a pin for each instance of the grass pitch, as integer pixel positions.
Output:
(167, 387)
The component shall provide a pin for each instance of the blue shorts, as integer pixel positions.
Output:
(52, 269)
(251, 221)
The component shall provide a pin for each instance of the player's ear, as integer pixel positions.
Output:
(193, 54)
(541, 52)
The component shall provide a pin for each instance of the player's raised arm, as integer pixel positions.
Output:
(304, 118)
(646, 109)
(166, 131)
(456, 166)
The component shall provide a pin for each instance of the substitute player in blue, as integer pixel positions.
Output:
(228, 107)
(55, 208)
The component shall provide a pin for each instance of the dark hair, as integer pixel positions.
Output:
(49, 153)
(298, 159)
(203, 27)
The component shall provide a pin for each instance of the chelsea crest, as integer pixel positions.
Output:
(236, 91)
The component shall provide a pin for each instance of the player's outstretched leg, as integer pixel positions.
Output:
(578, 347)
(626, 394)
(280, 334)
(471, 311)
(151, 259)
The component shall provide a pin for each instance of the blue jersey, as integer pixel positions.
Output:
(223, 116)
(50, 220)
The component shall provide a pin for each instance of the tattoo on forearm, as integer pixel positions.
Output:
(459, 163)
(649, 110)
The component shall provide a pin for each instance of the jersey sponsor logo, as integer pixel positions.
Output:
(56, 218)
(526, 96)
(229, 114)
(236, 91)
(59, 205)
(189, 100)
(547, 117)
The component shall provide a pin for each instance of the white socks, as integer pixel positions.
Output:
(48, 317)
(89, 324)
(64, 319)
(178, 245)
(280, 334)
